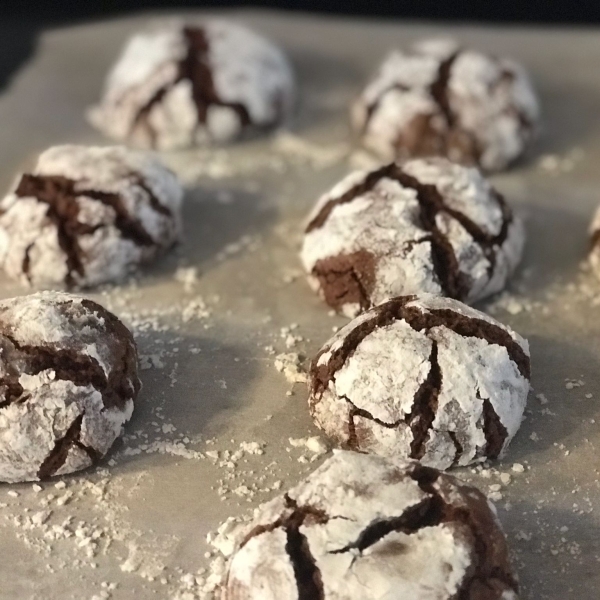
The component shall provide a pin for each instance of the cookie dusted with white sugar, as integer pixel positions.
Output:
(426, 226)
(88, 215)
(365, 528)
(424, 377)
(68, 381)
(182, 85)
(445, 100)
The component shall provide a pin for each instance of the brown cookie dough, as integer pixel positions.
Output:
(365, 528)
(440, 99)
(422, 377)
(68, 380)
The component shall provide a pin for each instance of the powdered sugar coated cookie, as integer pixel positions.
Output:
(426, 226)
(365, 528)
(88, 215)
(181, 85)
(424, 377)
(68, 380)
(441, 99)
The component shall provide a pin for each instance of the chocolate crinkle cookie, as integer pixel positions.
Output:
(68, 381)
(88, 215)
(442, 99)
(423, 377)
(426, 226)
(182, 85)
(365, 528)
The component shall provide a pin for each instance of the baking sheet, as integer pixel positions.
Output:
(210, 435)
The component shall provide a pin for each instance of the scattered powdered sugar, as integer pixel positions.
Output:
(290, 364)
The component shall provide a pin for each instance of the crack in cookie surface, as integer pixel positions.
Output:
(58, 455)
(195, 68)
(494, 430)
(427, 513)
(439, 88)
(425, 404)
(307, 574)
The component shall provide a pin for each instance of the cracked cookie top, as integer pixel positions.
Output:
(182, 85)
(365, 528)
(440, 99)
(68, 380)
(426, 226)
(88, 215)
(423, 377)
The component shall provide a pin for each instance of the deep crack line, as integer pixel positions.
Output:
(57, 193)
(439, 88)
(479, 328)
(371, 107)
(13, 391)
(494, 430)
(355, 411)
(195, 68)
(129, 227)
(425, 405)
(459, 450)
(308, 575)
(58, 455)
(429, 512)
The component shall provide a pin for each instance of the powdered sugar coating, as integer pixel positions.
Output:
(364, 528)
(68, 380)
(427, 378)
(440, 99)
(185, 84)
(428, 226)
(88, 215)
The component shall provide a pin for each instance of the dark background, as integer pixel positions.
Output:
(22, 20)
(526, 11)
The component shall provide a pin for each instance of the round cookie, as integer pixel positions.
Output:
(88, 215)
(440, 99)
(68, 380)
(365, 528)
(425, 378)
(426, 226)
(178, 86)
